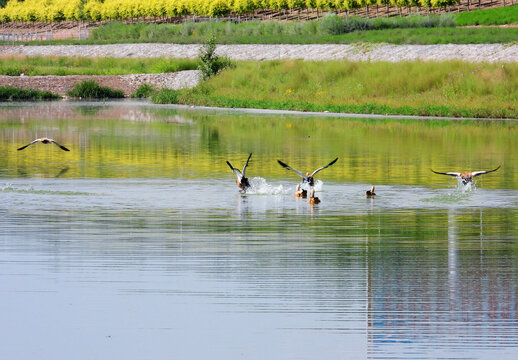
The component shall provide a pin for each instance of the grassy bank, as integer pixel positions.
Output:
(451, 88)
(498, 16)
(51, 65)
(9, 93)
(425, 29)
(298, 33)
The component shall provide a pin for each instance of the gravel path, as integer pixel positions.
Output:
(355, 52)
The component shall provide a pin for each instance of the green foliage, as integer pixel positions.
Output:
(59, 10)
(451, 88)
(9, 93)
(498, 16)
(332, 24)
(90, 89)
(40, 65)
(144, 91)
(210, 63)
(432, 29)
(425, 36)
(165, 96)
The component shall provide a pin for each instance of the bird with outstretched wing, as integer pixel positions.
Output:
(45, 141)
(466, 177)
(307, 177)
(241, 181)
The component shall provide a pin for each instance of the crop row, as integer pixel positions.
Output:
(60, 10)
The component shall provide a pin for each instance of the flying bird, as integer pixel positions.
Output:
(466, 177)
(306, 178)
(241, 181)
(44, 141)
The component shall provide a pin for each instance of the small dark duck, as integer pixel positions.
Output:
(241, 181)
(370, 193)
(44, 140)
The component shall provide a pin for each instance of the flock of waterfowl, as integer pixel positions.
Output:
(307, 178)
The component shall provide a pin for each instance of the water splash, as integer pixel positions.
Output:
(9, 188)
(258, 185)
(470, 186)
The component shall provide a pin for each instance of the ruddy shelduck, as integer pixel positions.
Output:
(241, 181)
(44, 140)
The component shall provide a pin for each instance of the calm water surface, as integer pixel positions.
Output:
(137, 244)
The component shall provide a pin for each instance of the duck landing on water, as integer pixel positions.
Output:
(306, 178)
(241, 181)
(312, 199)
(44, 140)
(370, 193)
(466, 177)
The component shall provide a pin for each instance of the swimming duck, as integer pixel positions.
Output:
(306, 178)
(44, 140)
(241, 181)
(466, 177)
(370, 193)
(300, 192)
(312, 199)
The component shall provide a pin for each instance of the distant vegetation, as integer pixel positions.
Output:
(498, 16)
(330, 24)
(451, 88)
(90, 89)
(51, 65)
(9, 93)
(209, 63)
(331, 29)
(143, 91)
(166, 96)
(59, 10)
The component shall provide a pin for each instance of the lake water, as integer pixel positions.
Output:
(137, 244)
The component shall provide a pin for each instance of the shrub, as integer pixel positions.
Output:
(210, 63)
(331, 24)
(90, 89)
(9, 93)
(143, 91)
(165, 96)
(11, 71)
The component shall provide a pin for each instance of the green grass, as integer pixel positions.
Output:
(452, 88)
(331, 29)
(498, 16)
(48, 65)
(165, 96)
(430, 36)
(328, 25)
(9, 93)
(144, 91)
(417, 36)
(90, 89)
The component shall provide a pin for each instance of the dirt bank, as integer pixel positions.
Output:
(127, 83)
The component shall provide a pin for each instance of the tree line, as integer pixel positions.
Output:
(62, 10)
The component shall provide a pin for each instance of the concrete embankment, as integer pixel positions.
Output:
(354, 52)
